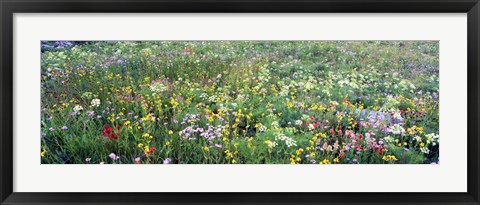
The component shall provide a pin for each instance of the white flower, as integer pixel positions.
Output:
(204, 96)
(311, 127)
(78, 108)
(275, 124)
(95, 102)
(158, 87)
(397, 129)
(212, 98)
(397, 115)
(270, 144)
(388, 139)
(288, 141)
(298, 122)
(433, 138)
(418, 138)
(425, 150)
(262, 128)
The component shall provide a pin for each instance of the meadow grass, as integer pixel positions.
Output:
(244, 102)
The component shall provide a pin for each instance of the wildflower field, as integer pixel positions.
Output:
(239, 102)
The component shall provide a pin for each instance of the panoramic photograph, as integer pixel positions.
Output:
(239, 102)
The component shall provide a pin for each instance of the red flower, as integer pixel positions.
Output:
(360, 136)
(108, 132)
(151, 150)
(118, 127)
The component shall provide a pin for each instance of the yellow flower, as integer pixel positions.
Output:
(43, 152)
(233, 161)
(389, 158)
(126, 122)
(146, 149)
(170, 132)
(167, 143)
(299, 151)
(422, 144)
(290, 104)
(336, 160)
(325, 161)
(228, 153)
(206, 148)
(140, 145)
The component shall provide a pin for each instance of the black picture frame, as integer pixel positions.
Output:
(9, 7)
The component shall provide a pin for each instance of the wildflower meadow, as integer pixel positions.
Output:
(239, 102)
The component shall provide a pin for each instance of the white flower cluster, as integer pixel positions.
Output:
(262, 128)
(433, 138)
(397, 129)
(288, 141)
(78, 108)
(158, 87)
(271, 144)
(388, 139)
(425, 150)
(212, 98)
(95, 102)
(390, 105)
(275, 125)
(204, 96)
(406, 86)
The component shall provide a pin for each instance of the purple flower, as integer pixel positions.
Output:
(167, 161)
(113, 156)
(91, 113)
(51, 129)
(64, 128)
(61, 44)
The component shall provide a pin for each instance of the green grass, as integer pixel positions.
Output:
(265, 102)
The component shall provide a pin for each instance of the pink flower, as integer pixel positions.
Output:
(113, 156)
(137, 160)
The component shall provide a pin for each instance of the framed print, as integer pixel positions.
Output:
(258, 102)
